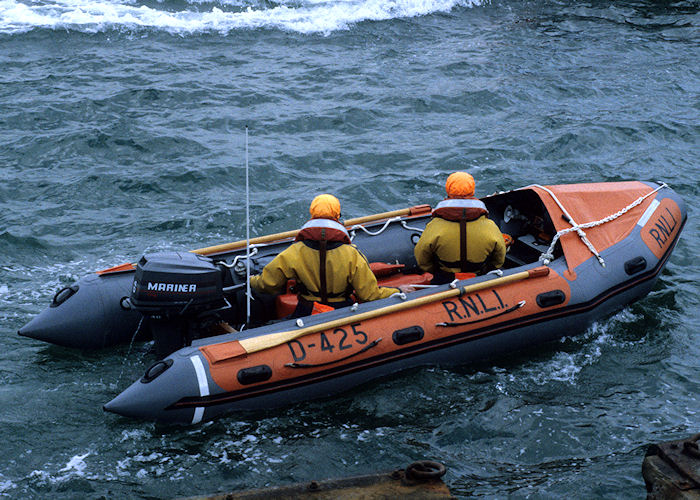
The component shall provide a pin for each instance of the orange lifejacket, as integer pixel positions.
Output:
(322, 232)
(323, 229)
(457, 209)
(461, 210)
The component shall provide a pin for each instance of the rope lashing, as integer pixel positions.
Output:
(548, 256)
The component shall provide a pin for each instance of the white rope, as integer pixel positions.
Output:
(253, 251)
(548, 256)
(376, 233)
(406, 226)
(353, 231)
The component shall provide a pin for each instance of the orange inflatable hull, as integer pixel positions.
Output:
(465, 322)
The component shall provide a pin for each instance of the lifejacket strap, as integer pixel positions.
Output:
(322, 269)
(463, 242)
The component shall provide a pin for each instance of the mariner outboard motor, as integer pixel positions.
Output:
(181, 295)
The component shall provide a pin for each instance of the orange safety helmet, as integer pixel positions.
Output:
(460, 185)
(325, 206)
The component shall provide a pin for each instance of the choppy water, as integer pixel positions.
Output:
(122, 130)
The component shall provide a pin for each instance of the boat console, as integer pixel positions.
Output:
(522, 215)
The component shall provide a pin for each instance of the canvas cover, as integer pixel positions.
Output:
(593, 202)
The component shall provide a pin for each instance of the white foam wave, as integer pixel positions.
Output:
(134, 435)
(305, 16)
(76, 465)
(565, 367)
(6, 485)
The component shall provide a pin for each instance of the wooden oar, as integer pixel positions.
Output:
(219, 352)
(226, 247)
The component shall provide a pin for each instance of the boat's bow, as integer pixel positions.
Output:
(162, 386)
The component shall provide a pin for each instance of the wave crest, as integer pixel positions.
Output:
(197, 16)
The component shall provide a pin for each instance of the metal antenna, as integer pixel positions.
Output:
(247, 233)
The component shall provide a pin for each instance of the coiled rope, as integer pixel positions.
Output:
(548, 256)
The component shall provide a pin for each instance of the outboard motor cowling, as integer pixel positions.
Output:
(179, 293)
(165, 283)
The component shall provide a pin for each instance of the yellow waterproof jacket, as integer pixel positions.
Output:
(440, 243)
(346, 270)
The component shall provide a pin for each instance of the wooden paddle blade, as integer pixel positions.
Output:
(216, 353)
(255, 344)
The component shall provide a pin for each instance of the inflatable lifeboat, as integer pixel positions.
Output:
(578, 253)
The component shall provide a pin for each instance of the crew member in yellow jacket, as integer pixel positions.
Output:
(326, 266)
(460, 238)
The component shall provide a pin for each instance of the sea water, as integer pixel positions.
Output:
(122, 131)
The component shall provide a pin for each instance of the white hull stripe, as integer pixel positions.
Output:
(203, 386)
(648, 213)
(460, 203)
(198, 414)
